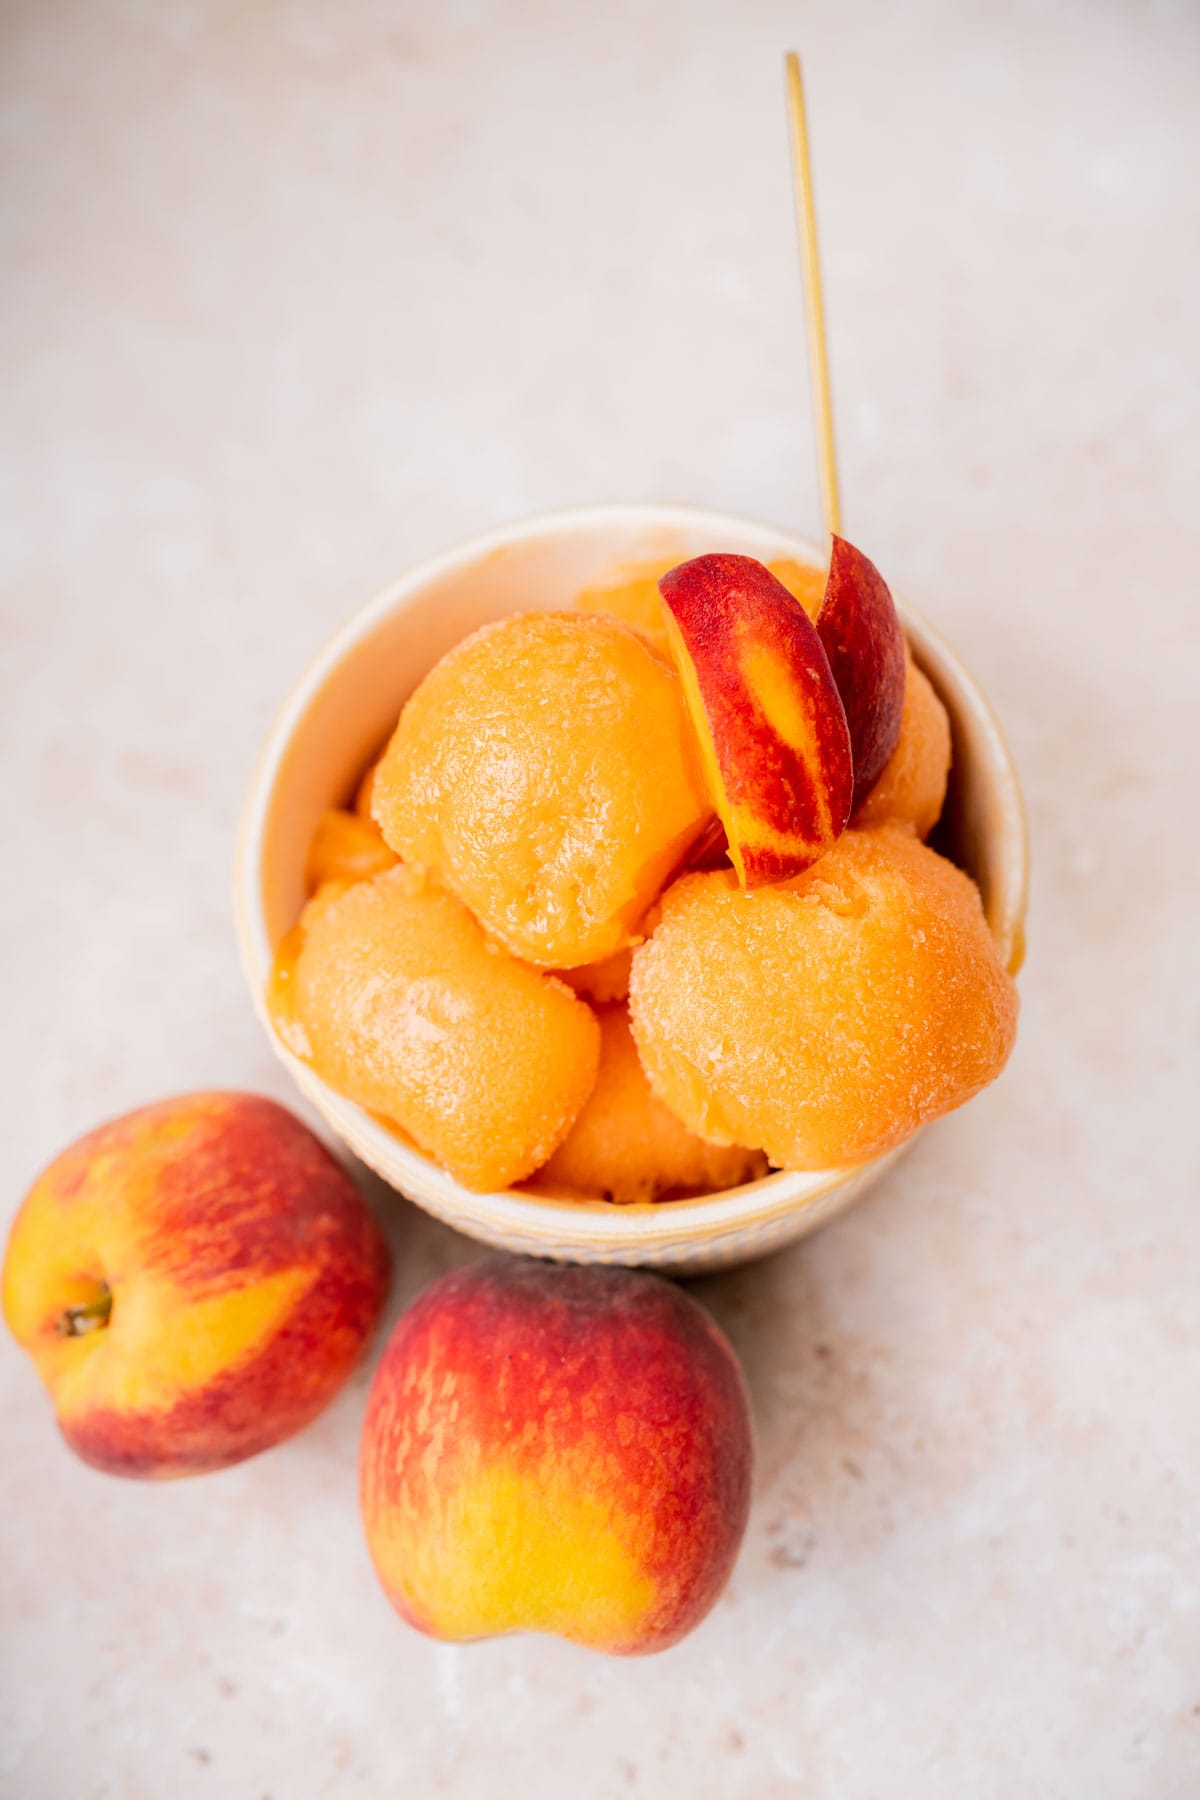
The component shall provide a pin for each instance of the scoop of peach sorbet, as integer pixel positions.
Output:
(627, 1146)
(399, 1001)
(826, 1018)
(544, 771)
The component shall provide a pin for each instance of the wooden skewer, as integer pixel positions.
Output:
(818, 358)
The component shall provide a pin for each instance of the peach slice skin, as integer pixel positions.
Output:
(864, 641)
(772, 730)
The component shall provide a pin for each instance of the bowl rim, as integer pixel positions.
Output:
(531, 1217)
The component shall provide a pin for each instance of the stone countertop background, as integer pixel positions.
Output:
(295, 293)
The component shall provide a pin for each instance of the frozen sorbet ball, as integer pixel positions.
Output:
(912, 787)
(627, 1146)
(399, 1001)
(544, 770)
(827, 1018)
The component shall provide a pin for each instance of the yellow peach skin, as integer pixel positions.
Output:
(194, 1282)
(565, 1450)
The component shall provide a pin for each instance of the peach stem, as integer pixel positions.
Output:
(94, 1315)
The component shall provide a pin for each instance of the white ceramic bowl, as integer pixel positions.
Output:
(342, 711)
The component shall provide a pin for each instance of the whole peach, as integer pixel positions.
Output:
(194, 1283)
(565, 1450)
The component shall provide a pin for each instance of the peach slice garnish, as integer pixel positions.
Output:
(864, 642)
(772, 731)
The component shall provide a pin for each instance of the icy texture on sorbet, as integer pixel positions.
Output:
(912, 787)
(827, 1018)
(602, 982)
(627, 1146)
(399, 1001)
(544, 770)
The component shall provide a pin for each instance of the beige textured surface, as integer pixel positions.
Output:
(296, 293)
